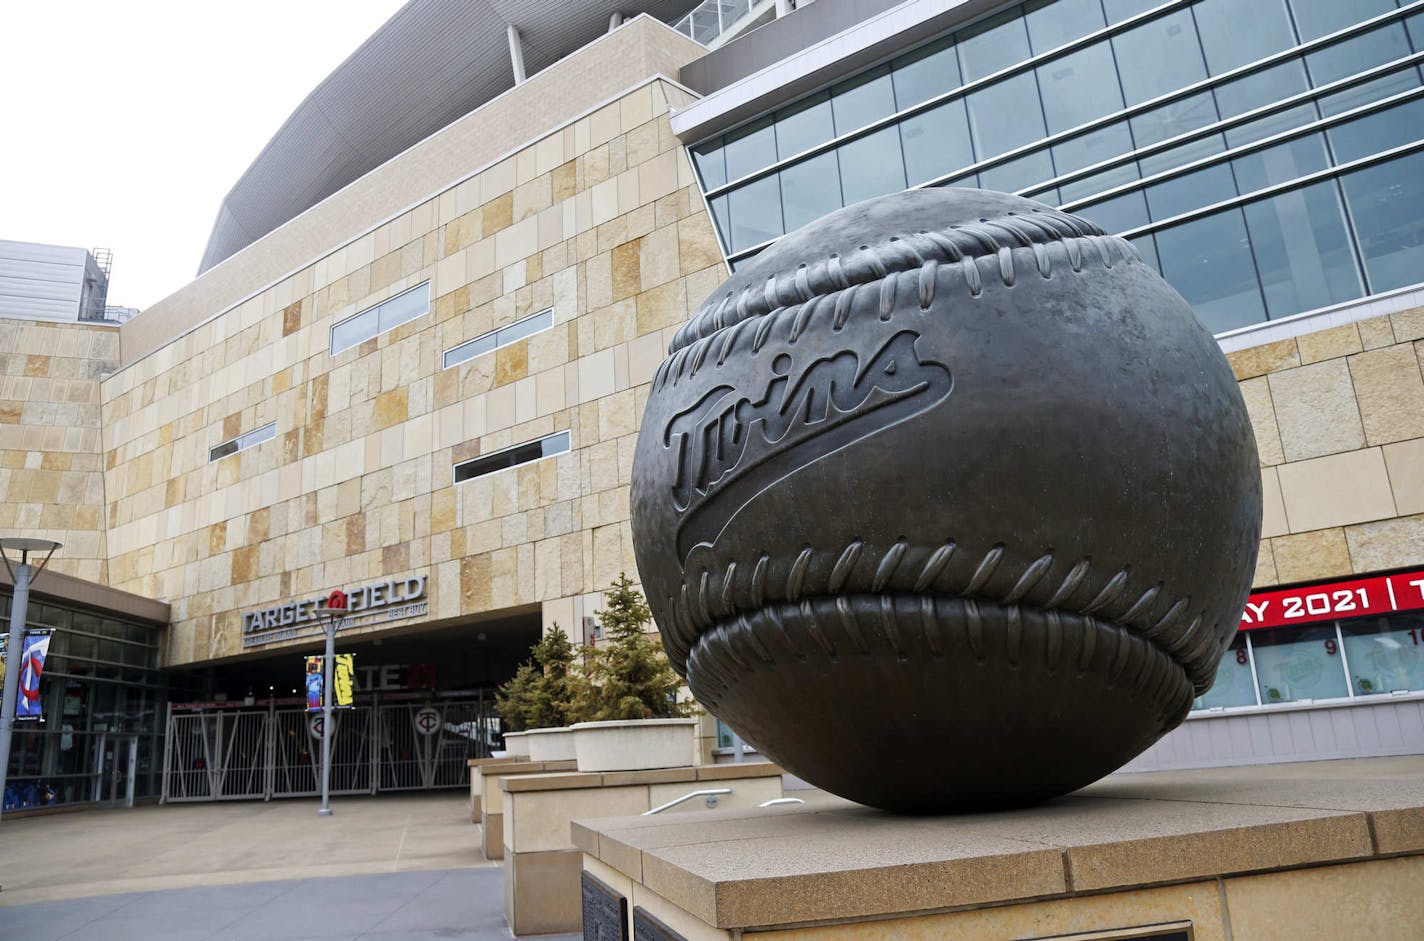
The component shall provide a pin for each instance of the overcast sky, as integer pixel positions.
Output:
(123, 125)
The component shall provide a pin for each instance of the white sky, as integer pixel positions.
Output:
(124, 124)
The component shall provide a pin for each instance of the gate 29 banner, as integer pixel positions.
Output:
(343, 683)
(27, 704)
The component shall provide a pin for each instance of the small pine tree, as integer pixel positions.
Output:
(539, 695)
(630, 677)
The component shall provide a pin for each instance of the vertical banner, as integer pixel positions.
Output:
(27, 705)
(4, 642)
(314, 684)
(344, 680)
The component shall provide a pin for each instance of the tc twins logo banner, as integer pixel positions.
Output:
(27, 704)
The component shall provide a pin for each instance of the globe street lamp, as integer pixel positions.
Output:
(22, 574)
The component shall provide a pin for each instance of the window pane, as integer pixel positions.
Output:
(1294, 664)
(1159, 56)
(936, 142)
(1285, 161)
(1373, 133)
(1234, 685)
(1119, 10)
(1315, 18)
(1261, 88)
(1005, 115)
(1146, 246)
(523, 328)
(750, 149)
(1387, 204)
(1386, 654)
(710, 165)
(863, 100)
(809, 190)
(803, 126)
(994, 44)
(1302, 249)
(467, 351)
(1118, 214)
(1079, 87)
(756, 213)
(1098, 182)
(1182, 154)
(403, 308)
(352, 331)
(871, 166)
(1190, 191)
(556, 444)
(1235, 33)
(1169, 120)
(1271, 124)
(1378, 46)
(929, 72)
(721, 213)
(1018, 174)
(1092, 148)
(1209, 261)
(1051, 23)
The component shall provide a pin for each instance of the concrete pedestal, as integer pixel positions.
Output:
(489, 813)
(1327, 850)
(476, 798)
(541, 863)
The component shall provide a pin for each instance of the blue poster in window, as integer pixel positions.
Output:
(36, 648)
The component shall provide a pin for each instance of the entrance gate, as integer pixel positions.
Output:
(218, 752)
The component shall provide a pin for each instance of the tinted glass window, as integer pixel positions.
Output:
(1051, 23)
(1182, 154)
(1119, 10)
(1098, 182)
(871, 166)
(1177, 117)
(1302, 249)
(1018, 174)
(1258, 89)
(755, 211)
(750, 149)
(1005, 115)
(1159, 56)
(1079, 87)
(1146, 246)
(862, 101)
(352, 331)
(510, 457)
(1209, 261)
(1235, 33)
(1118, 214)
(1373, 133)
(403, 308)
(809, 190)
(1356, 54)
(936, 142)
(804, 125)
(1387, 203)
(710, 165)
(929, 72)
(995, 44)
(1284, 161)
(1193, 190)
(1315, 18)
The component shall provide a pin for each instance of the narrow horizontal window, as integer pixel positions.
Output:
(511, 457)
(488, 342)
(387, 315)
(243, 441)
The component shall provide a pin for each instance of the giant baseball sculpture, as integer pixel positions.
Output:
(946, 501)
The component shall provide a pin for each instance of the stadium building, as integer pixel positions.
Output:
(414, 362)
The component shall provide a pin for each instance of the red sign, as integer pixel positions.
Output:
(336, 601)
(1380, 594)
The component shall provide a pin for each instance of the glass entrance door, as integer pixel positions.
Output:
(117, 761)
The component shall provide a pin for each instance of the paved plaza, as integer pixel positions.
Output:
(381, 868)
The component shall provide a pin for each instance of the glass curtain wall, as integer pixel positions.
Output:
(1266, 156)
(100, 682)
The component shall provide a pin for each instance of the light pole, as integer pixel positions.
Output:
(335, 608)
(22, 575)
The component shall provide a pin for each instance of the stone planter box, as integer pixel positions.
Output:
(550, 744)
(516, 744)
(636, 745)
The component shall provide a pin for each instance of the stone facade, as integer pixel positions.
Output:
(51, 464)
(599, 220)
(1339, 421)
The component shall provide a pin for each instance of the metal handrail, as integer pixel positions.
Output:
(707, 792)
(782, 801)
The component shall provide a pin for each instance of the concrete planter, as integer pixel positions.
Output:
(550, 744)
(635, 745)
(516, 744)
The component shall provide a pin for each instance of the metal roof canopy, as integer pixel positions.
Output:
(430, 64)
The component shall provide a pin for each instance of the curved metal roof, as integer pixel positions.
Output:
(430, 64)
